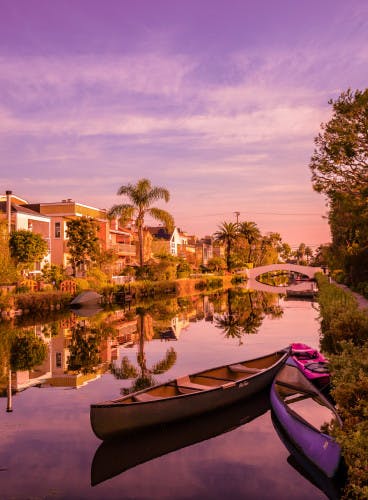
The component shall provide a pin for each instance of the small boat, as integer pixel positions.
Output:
(312, 363)
(88, 298)
(301, 294)
(186, 396)
(116, 456)
(332, 487)
(305, 414)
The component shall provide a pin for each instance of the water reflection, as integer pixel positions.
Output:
(246, 312)
(50, 430)
(76, 349)
(113, 458)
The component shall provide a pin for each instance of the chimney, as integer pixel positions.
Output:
(8, 209)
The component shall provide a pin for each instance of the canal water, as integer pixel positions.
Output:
(48, 449)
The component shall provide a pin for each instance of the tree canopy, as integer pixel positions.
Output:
(340, 159)
(27, 350)
(27, 247)
(141, 197)
(8, 273)
(83, 243)
(339, 168)
(228, 234)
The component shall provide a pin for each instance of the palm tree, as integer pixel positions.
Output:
(308, 252)
(141, 196)
(228, 234)
(249, 230)
(300, 252)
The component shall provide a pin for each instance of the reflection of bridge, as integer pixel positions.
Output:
(253, 274)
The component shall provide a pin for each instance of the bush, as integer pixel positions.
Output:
(342, 320)
(209, 283)
(350, 380)
(41, 301)
(338, 275)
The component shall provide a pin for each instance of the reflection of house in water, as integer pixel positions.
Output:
(175, 329)
(208, 309)
(54, 370)
(22, 379)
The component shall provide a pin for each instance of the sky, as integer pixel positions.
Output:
(219, 101)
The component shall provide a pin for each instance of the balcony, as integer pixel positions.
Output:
(124, 249)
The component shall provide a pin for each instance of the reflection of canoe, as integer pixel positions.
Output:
(114, 457)
(330, 486)
(303, 412)
(312, 363)
(186, 396)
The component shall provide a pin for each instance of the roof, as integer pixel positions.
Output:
(21, 210)
(159, 233)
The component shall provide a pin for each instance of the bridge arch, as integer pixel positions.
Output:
(253, 274)
(296, 268)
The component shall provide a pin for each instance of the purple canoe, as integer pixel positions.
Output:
(304, 414)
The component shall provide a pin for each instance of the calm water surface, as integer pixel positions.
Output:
(47, 447)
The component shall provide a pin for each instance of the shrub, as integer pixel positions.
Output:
(350, 380)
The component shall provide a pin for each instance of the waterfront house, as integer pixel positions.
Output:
(110, 235)
(20, 217)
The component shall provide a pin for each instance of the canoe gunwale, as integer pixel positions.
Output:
(229, 383)
(112, 418)
(299, 417)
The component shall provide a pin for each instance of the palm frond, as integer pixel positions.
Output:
(164, 217)
(125, 212)
(159, 193)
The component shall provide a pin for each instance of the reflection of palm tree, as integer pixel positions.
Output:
(229, 323)
(241, 321)
(145, 378)
(252, 323)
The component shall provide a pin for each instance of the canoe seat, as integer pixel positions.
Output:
(244, 369)
(145, 396)
(185, 383)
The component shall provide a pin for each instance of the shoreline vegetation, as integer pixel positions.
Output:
(344, 338)
(36, 302)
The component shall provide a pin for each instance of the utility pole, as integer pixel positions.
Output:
(8, 209)
(237, 216)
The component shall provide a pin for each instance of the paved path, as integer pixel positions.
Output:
(362, 301)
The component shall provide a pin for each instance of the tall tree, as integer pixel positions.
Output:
(8, 272)
(339, 168)
(141, 196)
(228, 234)
(83, 243)
(340, 159)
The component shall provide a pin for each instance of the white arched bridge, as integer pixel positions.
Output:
(253, 274)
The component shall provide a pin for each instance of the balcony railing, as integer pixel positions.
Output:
(124, 249)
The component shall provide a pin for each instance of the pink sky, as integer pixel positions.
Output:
(217, 100)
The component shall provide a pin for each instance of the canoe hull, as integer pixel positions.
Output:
(111, 419)
(116, 456)
(320, 448)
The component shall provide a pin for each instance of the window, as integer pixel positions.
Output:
(58, 360)
(57, 229)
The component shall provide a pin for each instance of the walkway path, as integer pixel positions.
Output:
(362, 301)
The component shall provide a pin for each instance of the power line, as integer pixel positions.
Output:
(288, 214)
